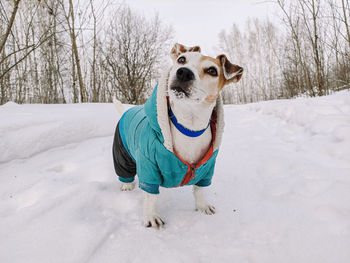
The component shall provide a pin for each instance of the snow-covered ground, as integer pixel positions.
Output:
(281, 189)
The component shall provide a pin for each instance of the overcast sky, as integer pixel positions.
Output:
(198, 22)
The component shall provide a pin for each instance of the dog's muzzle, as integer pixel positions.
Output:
(183, 81)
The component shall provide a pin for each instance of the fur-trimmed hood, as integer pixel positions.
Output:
(145, 135)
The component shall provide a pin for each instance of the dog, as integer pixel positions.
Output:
(173, 139)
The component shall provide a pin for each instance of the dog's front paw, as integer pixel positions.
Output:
(206, 208)
(127, 186)
(153, 221)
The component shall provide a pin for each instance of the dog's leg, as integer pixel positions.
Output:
(127, 186)
(150, 214)
(200, 201)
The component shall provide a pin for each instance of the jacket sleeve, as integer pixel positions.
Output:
(206, 180)
(148, 173)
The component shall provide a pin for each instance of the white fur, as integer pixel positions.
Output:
(196, 116)
(127, 186)
(200, 201)
(119, 106)
(232, 75)
(198, 91)
(150, 214)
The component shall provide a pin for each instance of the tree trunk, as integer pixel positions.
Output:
(9, 27)
(76, 54)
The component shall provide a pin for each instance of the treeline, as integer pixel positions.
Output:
(308, 56)
(65, 51)
(56, 51)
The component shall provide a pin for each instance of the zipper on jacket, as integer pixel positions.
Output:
(193, 172)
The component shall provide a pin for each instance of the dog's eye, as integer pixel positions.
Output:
(181, 60)
(212, 71)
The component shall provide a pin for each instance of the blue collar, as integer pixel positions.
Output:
(183, 129)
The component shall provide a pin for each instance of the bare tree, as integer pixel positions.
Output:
(96, 70)
(297, 79)
(52, 52)
(10, 24)
(95, 89)
(346, 15)
(312, 9)
(256, 49)
(70, 19)
(15, 59)
(134, 47)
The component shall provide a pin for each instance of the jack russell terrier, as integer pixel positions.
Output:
(173, 139)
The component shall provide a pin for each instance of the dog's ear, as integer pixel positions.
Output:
(179, 49)
(232, 73)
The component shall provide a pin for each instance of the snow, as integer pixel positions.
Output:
(281, 189)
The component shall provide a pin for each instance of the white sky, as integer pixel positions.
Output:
(198, 22)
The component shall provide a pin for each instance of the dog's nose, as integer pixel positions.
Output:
(184, 74)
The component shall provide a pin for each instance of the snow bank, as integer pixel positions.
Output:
(325, 121)
(26, 130)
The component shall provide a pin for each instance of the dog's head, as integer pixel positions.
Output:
(199, 78)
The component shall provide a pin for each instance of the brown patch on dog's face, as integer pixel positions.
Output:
(227, 74)
(195, 49)
(179, 49)
(232, 73)
(182, 48)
